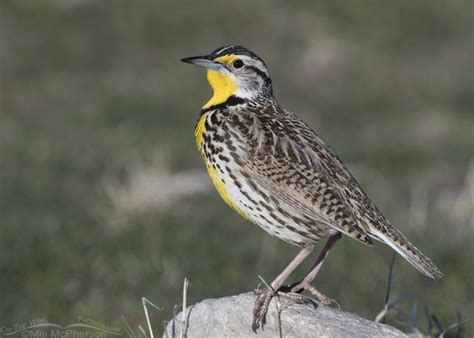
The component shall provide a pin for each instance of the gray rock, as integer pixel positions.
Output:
(232, 317)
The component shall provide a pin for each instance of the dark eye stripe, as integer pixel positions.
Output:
(261, 73)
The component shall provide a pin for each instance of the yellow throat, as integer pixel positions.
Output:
(223, 85)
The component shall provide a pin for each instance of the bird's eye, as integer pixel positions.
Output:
(238, 64)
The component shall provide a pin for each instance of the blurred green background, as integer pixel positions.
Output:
(104, 198)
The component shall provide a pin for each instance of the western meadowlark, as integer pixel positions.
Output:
(276, 172)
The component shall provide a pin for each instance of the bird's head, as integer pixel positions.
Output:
(234, 72)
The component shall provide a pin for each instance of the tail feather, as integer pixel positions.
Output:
(398, 242)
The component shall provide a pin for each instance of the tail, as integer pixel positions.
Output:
(398, 242)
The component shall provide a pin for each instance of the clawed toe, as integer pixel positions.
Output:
(323, 299)
(262, 303)
(264, 296)
(292, 293)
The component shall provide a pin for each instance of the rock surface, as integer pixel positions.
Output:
(232, 317)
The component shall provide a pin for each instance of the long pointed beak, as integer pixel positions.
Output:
(203, 61)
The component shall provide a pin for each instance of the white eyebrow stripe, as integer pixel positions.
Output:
(224, 48)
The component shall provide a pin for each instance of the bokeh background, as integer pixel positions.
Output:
(104, 198)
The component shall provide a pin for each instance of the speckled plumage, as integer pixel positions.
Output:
(289, 182)
(275, 171)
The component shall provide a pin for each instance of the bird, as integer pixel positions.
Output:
(275, 171)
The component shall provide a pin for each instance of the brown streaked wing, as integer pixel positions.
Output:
(291, 171)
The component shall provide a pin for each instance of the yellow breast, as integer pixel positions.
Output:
(216, 178)
(221, 188)
(200, 131)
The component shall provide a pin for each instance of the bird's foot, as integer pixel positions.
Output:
(264, 297)
(323, 299)
(262, 303)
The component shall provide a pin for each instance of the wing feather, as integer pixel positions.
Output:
(292, 169)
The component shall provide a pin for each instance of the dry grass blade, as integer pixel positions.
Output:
(145, 309)
(184, 317)
(381, 316)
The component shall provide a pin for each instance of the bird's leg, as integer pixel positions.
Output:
(305, 284)
(265, 296)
